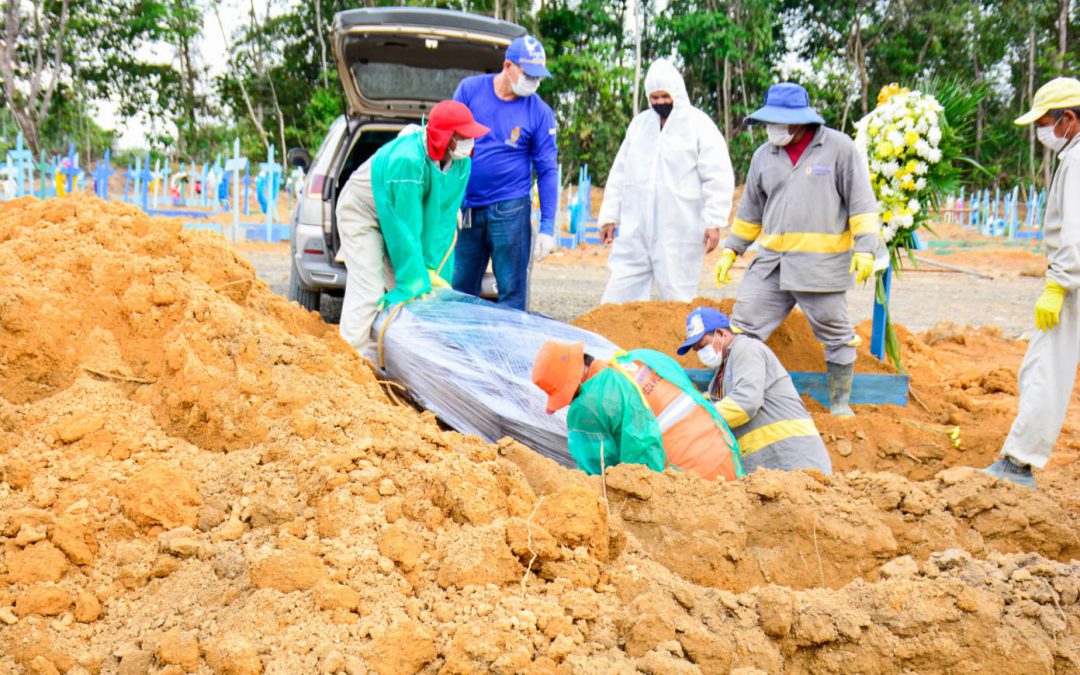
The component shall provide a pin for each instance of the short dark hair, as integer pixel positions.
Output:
(1057, 113)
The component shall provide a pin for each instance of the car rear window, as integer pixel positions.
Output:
(416, 67)
(397, 81)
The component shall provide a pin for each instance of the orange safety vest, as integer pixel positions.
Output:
(692, 440)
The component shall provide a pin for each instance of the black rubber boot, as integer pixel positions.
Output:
(840, 389)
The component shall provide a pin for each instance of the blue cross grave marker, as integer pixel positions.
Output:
(72, 170)
(101, 176)
(163, 182)
(23, 160)
(273, 172)
(145, 176)
(234, 165)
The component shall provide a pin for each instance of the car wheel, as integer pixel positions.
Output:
(307, 298)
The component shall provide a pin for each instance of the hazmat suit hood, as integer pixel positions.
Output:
(662, 76)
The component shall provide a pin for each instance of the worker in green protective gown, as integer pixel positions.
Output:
(397, 217)
(638, 408)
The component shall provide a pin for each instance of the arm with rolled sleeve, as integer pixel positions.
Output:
(1064, 258)
(747, 393)
(751, 210)
(545, 157)
(714, 171)
(858, 193)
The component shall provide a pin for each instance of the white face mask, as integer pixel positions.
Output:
(1048, 138)
(710, 357)
(524, 86)
(464, 149)
(779, 134)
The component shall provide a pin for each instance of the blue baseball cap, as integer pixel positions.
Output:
(527, 53)
(785, 103)
(701, 321)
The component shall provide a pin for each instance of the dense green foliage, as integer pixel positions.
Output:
(282, 87)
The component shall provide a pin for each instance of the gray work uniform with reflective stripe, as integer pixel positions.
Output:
(807, 219)
(780, 433)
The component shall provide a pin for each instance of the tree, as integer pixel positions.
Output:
(32, 60)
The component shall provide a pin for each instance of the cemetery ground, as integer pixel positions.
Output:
(570, 283)
(198, 476)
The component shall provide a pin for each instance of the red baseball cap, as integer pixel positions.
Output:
(446, 119)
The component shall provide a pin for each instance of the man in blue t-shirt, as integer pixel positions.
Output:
(496, 219)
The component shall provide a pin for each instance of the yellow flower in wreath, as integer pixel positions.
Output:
(890, 90)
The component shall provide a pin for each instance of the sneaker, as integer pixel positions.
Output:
(1006, 469)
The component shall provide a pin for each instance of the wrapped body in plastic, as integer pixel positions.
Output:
(470, 362)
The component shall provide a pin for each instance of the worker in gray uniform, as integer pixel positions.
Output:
(756, 397)
(1048, 374)
(810, 207)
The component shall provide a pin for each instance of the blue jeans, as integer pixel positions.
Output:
(502, 233)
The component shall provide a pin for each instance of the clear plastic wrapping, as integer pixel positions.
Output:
(470, 362)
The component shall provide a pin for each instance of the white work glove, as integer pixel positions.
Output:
(545, 244)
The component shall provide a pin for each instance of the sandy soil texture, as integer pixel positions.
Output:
(198, 476)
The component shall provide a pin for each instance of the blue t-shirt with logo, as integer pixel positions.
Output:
(521, 140)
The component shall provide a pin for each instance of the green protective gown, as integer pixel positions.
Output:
(417, 204)
(610, 417)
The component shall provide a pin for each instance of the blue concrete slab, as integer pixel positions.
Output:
(279, 232)
(866, 389)
(178, 213)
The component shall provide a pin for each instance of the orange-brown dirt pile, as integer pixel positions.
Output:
(197, 476)
(662, 326)
(959, 378)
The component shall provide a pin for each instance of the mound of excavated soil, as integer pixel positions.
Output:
(959, 378)
(662, 326)
(197, 476)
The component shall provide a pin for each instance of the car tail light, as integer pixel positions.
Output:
(315, 185)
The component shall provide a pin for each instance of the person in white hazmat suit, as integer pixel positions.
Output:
(668, 192)
(1048, 374)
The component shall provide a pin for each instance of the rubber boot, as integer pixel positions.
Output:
(840, 389)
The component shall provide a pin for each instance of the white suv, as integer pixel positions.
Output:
(395, 63)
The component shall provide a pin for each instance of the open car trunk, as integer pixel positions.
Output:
(401, 61)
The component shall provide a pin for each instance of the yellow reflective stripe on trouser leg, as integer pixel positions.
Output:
(864, 223)
(775, 432)
(807, 242)
(745, 230)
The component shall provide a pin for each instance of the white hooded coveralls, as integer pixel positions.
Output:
(666, 188)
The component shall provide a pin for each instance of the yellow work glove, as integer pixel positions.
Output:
(723, 267)
(862, 266)
(436, 280)
(1048, 307)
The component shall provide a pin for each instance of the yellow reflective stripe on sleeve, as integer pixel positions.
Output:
(745, 230)
(732, 413)
(807, 242)
(777, 431)
(864, 223)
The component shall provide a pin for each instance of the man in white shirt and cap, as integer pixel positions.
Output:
(1048, 373)
(668, 193)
